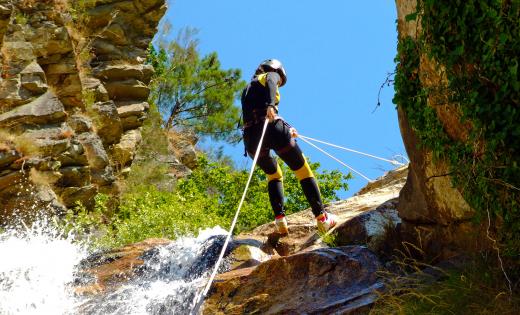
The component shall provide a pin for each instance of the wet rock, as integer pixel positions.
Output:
(111, 269)
(323, 281)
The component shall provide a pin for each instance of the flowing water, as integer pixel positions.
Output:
(39, 265)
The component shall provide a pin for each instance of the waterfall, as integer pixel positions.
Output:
(170, 280)
(40, 265)
(37, 265)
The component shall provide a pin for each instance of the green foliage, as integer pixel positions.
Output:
(221, 187)
(194, 92)
(207, 198)
(78, 10)
(477, 42)
(329, 238)
(89, 225)
(20, 18)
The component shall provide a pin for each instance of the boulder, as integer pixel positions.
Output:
(46, 109)
(127, 109)
(51, 140)
(369, 227)
(187, 154)
(95, 86)
(324, 281)
(133, 122)
(369, 206)
(132, 114)
(103, 177)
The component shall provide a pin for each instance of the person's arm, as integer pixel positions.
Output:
(272, 81)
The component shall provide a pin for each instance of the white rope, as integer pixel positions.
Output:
(219, 261)
(331, 156)
(393, 162)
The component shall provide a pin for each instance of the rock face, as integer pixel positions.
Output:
(73, 91)
(324, 281)
(434, 213)
(310, 277)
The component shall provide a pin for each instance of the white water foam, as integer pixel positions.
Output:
(174, 278)
(36, 268)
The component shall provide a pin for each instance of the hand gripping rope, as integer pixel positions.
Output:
(200, 299)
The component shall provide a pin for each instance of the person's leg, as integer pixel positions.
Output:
(289, 151)
(270, 167)
(274, 183)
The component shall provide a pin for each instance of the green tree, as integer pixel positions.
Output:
(208, 197)
(221, 186)
(194, 92)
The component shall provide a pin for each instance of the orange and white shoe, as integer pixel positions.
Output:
(281, 225)
(326, 221)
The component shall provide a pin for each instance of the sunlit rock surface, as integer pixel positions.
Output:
(73, 91)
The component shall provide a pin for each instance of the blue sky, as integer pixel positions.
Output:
(336, 53)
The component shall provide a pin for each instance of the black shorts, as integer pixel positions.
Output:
(278, 138)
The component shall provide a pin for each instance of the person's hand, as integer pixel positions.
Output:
(271, 114)
(293, 132)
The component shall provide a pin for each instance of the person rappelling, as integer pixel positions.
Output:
(260, 101)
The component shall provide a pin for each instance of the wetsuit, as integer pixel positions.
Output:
(261, 93)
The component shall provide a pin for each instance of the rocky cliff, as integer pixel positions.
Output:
(435, 215)
(73, 93)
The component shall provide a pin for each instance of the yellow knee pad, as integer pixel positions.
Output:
(276, 175)
(304, 171)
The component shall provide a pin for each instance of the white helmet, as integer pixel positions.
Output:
(274, 65)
